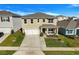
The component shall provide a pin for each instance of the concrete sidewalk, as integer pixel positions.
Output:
(61, 49)
(31, 49)
(37, 49)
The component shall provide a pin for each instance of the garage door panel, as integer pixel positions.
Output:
(5, 30)
(32, 31)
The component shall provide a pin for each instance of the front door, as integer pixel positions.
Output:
(43, 30)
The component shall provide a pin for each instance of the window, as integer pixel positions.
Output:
(69, 31)
(38, 20)
(50, 29)
(43, 20)
(31, 20)
(25, 21)
(50, 20)
(8, 19)
(5, 19)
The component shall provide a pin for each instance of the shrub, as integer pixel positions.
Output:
(41, 34)
(72, 37)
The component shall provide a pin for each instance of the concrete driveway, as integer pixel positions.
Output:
(4, 37)
(32, 42)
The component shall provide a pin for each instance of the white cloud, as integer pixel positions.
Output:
(20, 12)
(74, 5)
(50, 13)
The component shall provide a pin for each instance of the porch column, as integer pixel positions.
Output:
(47, 31)
(75, 32)
(41, 29)
(56, 31)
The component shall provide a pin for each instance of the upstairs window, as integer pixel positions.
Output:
(38, 20)
(5, 19)
(25, 21)
(31, 20)
(43, 20)
(50, 20)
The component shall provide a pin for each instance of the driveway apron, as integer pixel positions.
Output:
(32, 42)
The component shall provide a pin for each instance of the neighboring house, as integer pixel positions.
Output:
(73, 18)
(69, 27)
(61, 17)
(9, 22)
(40, 22)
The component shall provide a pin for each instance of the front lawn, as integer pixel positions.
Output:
(62, 41)
(61, 52)
(54, 43)
(7, 52)
(13, 39)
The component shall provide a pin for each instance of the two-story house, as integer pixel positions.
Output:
(39, 23)
(9, 22)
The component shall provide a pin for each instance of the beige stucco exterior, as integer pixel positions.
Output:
(36, 24)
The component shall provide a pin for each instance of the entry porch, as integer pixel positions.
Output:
(49, 29)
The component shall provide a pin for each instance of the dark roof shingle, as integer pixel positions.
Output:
(8, 13)
(38, 15)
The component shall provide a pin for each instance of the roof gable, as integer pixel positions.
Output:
(9, 13)
(38, 15)
(72, 24)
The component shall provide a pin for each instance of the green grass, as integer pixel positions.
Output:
(64, 42)
(70, 42)
(13, 39)
(54, 43)
(6, 52)
(61, 52)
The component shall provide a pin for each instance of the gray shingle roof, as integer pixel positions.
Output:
(38, 15)
(72, 24)
(8, 13)
(63, 23)
(68, 24)
(77, 25)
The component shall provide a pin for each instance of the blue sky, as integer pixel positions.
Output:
(53, 9)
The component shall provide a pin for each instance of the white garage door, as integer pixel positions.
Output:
(32, 31)
(5, 30)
